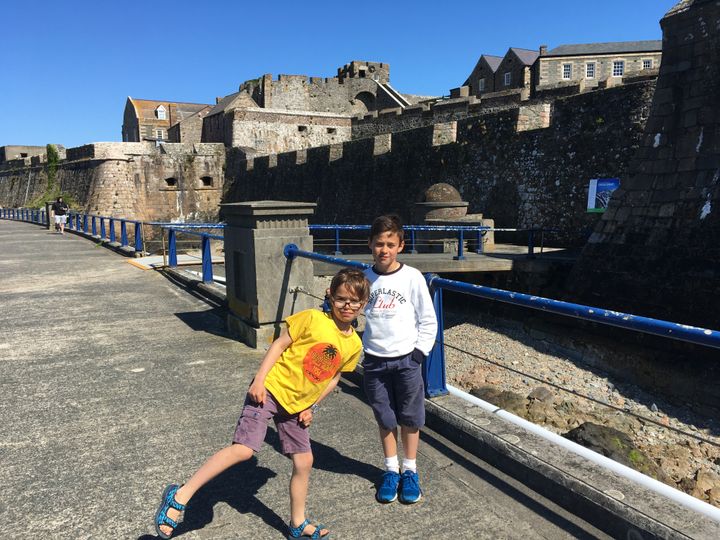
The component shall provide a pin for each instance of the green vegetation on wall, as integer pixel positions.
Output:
(52, 189)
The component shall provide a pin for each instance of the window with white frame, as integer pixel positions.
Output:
(159, 133)
(647, 63)
(590, 70)
(481, 85)
(618, 68)
(507, 79)
(567, 71)
(160, 113)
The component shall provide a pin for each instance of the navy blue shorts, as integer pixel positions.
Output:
(394, 387)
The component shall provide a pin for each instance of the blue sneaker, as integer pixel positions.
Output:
(410, 491)
(388, 490)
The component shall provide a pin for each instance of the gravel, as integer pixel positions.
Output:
(507, 355)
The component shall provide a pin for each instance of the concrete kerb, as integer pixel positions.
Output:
(212, 292)
(614, 504)
(125, 251)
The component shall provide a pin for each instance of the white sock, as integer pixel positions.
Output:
(392, 464)
(410, 465)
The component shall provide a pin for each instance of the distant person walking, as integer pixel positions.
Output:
(60, 209)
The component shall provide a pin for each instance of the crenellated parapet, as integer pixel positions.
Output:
(527, 165)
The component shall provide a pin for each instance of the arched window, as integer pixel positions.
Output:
(171, 182)
(207, 181)
(160, 112)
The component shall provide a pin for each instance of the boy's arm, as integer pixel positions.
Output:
(257, 387)
(426, 319)
(305, 417)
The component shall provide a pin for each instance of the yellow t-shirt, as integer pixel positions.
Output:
(318, 351)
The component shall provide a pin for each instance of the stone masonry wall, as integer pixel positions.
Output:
(656, 249)
(530, 178)
(272, 131)
(132, 180)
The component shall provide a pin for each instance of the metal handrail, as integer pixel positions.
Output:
(207, 271)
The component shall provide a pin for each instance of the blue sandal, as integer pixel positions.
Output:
(161, 518)
(297, 532)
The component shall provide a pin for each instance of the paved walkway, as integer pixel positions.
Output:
(114, 382)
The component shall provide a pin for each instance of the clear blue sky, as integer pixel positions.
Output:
(69, 66)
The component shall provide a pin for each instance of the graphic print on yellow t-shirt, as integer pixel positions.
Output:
(318, 351)
(321, 362)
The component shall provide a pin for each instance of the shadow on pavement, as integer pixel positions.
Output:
(236, 487)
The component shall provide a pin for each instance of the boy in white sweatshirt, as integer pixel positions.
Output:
(400, 331)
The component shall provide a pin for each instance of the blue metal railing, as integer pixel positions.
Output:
(460, 230)
(173, 229)
(434, 368)
(30, 215)
(88, 224)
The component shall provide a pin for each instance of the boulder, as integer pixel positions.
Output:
(617, 446)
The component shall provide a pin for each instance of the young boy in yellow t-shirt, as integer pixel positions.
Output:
(299, 370)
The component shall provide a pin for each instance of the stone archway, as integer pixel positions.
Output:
(363, 103)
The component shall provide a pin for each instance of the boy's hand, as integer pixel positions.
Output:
(257, 392)
(305, 417)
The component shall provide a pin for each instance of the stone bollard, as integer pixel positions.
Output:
(259, 277)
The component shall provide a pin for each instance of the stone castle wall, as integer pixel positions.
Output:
(656, 249)
(130, 180)
(519, 176)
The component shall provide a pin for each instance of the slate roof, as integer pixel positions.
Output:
(617, 47)
(526, 56)
(238, 99)
(492, 61)
(145, 108)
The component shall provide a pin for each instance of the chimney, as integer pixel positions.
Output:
(543, 50)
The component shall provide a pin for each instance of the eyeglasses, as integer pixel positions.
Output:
(342, 302)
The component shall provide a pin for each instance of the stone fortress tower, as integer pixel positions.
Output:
(656, 249)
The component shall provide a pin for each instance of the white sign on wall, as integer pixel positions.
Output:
(599, 193)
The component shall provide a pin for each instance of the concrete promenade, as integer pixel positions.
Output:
(114, 382)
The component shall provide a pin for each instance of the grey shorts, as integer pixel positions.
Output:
(60, 219)
(395, 390)
(253, 422)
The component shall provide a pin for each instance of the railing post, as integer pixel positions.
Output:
(123, 233)
(480, 235)
(413, 249)
(337, 241)
(434, 365)
(94, 225)
(461, 240)
(172, 248)
(138, 237)
(102, 228)
(207, 270)
(85, 223)
(111, 224)
(531, 244)
(69, 222)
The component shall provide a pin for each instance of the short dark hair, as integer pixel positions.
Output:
(387, 223)
(354, 280)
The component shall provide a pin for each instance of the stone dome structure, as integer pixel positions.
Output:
(442, 201)
(442, 192)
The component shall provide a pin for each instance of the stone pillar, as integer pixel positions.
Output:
(259, 277)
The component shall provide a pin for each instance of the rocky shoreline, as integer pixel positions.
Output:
(540, 379)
